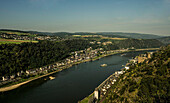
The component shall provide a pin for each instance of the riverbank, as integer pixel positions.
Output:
(12, 87)
(112, 78)
(4, 89)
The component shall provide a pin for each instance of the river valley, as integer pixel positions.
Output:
(70, 85)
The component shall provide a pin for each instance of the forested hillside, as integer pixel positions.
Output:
(14, 58)
(147, 82)
(165, 40)
(17, 57)
(136, 43)
(110, 34)
(132, 35)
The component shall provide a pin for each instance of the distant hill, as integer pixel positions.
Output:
(111, 34)
(140, 43)
(146, 82)
(132, 35)
(9, 30)
(24, 32)
(165, 40)
(135, 43)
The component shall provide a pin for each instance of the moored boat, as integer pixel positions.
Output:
(51, 78)
(103, 65)
(122, 54)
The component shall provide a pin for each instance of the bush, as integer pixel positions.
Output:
(122, 90)
(132, 88)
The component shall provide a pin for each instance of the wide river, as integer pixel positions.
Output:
(70, 85)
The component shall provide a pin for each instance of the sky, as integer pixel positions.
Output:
(138, 16)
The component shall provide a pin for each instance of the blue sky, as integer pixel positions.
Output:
(142, 16)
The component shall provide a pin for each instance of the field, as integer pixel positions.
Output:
(99, 37)
(113, 38)
(18, 33)
(7, 41)
(11, 32)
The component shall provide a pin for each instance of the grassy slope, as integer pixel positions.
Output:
(12, 32)
(86, 100)
(18, 33)
(7, 41)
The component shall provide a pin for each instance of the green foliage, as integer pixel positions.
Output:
(122, 90)
(147, 82)
(24, 56)
(136, 43)
(165, 40)
(11, 41)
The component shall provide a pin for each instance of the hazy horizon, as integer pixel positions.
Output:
(83, 32)
(130, 16)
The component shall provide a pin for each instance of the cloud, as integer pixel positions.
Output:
(147, 21)
(167, 1)
(37, 0)
(43, 0)
(44, 4)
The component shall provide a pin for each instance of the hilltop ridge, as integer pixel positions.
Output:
(113, 34)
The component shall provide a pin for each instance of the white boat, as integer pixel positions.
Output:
(122, 54)
(51, 78)
(103, 65)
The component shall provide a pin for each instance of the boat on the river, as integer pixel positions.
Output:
(103, 65)
(122, 54)
(51, 78)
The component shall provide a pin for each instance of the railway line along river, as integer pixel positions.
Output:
(70, 85)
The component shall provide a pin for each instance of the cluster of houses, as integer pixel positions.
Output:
(51, 38)
(101, 90)
(16, 37)
(103, 43)
(141, 58)
(26, 37)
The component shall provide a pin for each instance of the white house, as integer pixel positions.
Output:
(12, 76)
(96, 94)
(4, 78)
(27, 71)
(126, 67)
(18, 74)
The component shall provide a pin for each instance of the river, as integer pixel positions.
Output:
(70, 85)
